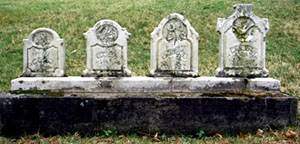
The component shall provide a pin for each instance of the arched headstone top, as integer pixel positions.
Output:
(107, 33)
(107, 49)
(43, 54)
(242, 43)
(43, 37)
(243, 14)
(174, 26)
(174, 48)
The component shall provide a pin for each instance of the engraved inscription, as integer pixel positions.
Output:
(175, 50)
(42, 60)
(43, 54)
(107, 58)
(107, 50)
(175, 57)
(242, 43)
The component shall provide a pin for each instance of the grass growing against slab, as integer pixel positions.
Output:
(71, 18)
(290, 136)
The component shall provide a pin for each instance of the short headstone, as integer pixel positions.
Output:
(107, 50)
(174, 48)
(242, 43)
(43, 54)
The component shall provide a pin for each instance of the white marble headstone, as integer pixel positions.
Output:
(174, 48)
(242, 43)
(107, 50)
(43, 54)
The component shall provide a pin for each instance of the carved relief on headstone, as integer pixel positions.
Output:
(174, 48)
(107, 50)
(43, 54)
(242, 43)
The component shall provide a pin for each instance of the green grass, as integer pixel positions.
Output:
(71, 18)
(289, 135)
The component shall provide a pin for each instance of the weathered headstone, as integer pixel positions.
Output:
(242, 43)
(107, 50)
(44, 54)
(174, 48)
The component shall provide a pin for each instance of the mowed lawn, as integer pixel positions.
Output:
(71, 18)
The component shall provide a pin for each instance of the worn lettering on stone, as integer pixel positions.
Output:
(43, 54)
(107, 50)
(174, 48)
(242, 44)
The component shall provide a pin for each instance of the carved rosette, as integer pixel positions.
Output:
(107, 50)
(44, 54)
(242, 44)
(107, 34)
(174, 48)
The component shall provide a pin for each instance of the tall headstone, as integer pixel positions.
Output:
(43, 54)
(242, 43)
(107, 50)
(174, 48)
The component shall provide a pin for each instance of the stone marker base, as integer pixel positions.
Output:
(144, 112)
(143, 84)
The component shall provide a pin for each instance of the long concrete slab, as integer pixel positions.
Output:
(144, 84)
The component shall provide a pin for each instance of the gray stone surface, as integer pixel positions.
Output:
(174, 48)
(242, 43)
(145, 113)
(106, 50)
(43, 54)
(145, 84)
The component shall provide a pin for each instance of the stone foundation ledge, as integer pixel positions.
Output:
(146, 113)
(144, 84)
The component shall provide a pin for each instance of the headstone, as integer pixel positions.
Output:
(242, 43)
(107, 50)
(44, 54)
(174, 48)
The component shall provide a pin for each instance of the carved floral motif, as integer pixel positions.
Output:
(244, 53)
(107, 34)
(175, 30)
(42, 38)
